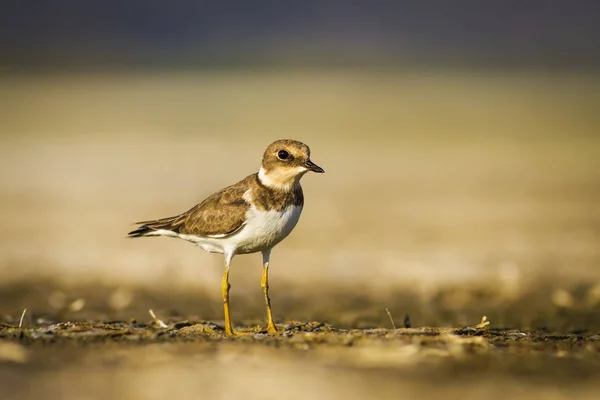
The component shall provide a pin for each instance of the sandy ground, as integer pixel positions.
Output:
(447, 197)
(182, 359)
(98, 342)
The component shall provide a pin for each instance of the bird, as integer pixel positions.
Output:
(250, 216)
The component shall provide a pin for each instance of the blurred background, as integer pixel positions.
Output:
(460, 141)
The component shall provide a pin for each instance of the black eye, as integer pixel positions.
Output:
(283, 155)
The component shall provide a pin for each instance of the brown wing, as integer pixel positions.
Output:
(220, 215)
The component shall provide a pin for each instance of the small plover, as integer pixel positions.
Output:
(252, 215)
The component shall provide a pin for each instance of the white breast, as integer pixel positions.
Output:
(264, 229)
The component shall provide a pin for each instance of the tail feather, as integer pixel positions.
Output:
(140, 231)
(147, 227)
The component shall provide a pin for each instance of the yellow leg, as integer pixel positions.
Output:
(225, 286)
(264, 283)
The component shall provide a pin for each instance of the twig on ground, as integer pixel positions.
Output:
(483, 324)
(22, 317)
(158, 321)
(387, 310)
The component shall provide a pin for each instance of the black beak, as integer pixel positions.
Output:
(313, 167)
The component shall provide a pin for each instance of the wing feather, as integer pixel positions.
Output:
(219, 215)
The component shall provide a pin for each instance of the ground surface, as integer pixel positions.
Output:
(124, 360)
(178, 356)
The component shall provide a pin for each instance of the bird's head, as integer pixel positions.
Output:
(284, 163)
